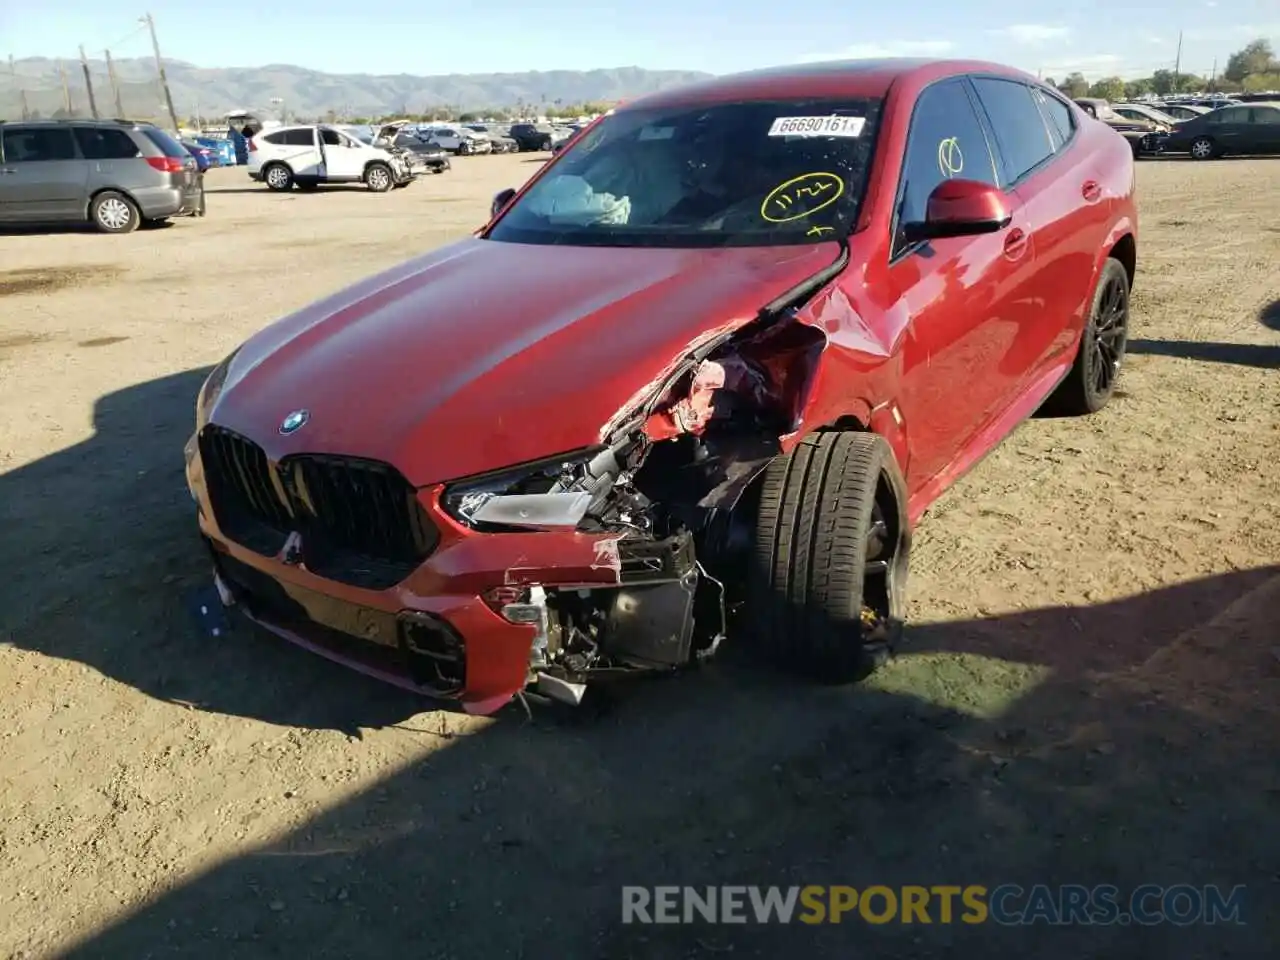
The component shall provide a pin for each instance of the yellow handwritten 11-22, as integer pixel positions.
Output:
(789, 201)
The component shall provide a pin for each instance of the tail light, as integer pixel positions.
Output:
(167, 164)
(253, 146)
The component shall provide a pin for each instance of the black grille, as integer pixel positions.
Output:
(360, 520)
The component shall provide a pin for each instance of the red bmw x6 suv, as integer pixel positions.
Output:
(694, 382)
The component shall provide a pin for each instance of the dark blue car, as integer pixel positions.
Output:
(205, 158)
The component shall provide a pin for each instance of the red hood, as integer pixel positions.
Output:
(485, 354)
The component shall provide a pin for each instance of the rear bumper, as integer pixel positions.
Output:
(159, 202)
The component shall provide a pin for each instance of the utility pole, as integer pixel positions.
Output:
(22, 91)
(1213, 74)
(115, 84)
(66, 89)
(1177, 65)
(164, 80)
(88, 83)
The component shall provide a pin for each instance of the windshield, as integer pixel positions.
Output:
(738, 174)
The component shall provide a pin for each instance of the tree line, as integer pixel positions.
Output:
(1251, 69)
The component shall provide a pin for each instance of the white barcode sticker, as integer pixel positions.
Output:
(830, 126)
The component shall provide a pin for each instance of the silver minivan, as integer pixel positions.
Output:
(115, 174)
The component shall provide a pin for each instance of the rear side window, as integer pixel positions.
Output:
(167, 145)
(106, 143)
(35, 144)
(1019, 128)
(1264, 115)
(1058, 118)
(946, 141)
(298, 137)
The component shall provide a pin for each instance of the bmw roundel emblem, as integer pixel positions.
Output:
(294, 422)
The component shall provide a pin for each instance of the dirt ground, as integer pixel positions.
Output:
(1089, 691)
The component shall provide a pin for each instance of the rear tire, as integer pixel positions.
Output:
(377, 177)
(1092, 378)
(277, 177)
(113, 212)
(829, 568)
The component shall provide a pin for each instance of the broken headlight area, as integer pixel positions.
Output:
(589, 491)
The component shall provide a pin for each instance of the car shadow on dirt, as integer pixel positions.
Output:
(101, 559)
(1269, 316)
(1266, 356)
(1136, 746)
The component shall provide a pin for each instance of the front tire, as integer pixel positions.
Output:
(829, 567)
(377, 177)
(1203, 148)
(113, 212)
(1092, 378)
(277, 177)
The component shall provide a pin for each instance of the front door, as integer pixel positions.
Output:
(43, 176)
(344, 156)
(1264, 121)
(961, 294)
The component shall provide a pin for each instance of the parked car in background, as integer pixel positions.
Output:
(114, 174)
(1144, 136)
(532, 137)
(712, 364)
(204, 156)
(306, 156)
(1229, 131)
(498, 136)
(1182, 111)
(421, 157)
(456, 139)
(1140, 112)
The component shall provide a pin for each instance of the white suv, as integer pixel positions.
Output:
(312, 155)
(457, 140)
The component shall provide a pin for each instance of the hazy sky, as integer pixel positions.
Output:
(1096, 37)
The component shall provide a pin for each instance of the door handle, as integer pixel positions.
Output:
(7, 170)
(1015, 243)
(1091, 191)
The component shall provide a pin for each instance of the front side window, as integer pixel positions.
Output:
(1020, 131)
(36, 144)
(331, 138)
(946, 142)
(757, 173)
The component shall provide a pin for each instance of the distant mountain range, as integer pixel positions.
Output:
(310, 93)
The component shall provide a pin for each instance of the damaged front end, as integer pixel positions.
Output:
(672, 480)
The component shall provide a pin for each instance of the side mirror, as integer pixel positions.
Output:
(960, 208)
(500, 200)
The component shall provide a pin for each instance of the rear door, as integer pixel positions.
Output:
(960, 293)
(1068, 212)
(44, 177)
(113, 157)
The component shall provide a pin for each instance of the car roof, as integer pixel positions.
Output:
(80, 122)
(833, 78)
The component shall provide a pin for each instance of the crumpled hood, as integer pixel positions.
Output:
(485, 354)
